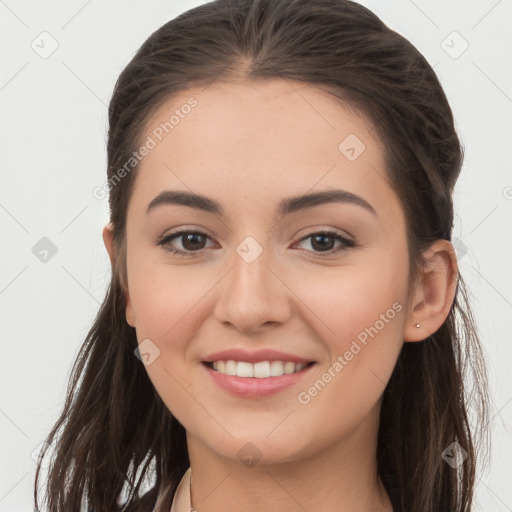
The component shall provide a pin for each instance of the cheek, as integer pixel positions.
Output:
(165, 299)
(360, 315)
(362, 353)
(348, 300)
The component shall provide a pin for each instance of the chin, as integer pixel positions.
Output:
(252, 447)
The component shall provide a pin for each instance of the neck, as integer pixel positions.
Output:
(341, 477)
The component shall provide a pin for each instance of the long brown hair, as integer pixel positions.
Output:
(114, 432)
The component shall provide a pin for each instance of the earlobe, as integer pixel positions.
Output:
(108, 239)
(433, 295)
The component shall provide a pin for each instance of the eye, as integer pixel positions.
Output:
(191, 242)
(323, 242)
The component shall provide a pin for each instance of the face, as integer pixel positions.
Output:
(322, 280)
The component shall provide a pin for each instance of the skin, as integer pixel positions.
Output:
(249, 145)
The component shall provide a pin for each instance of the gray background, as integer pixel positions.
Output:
(52, 146)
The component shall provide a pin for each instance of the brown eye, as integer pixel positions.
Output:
(190, 241)
(193, 241)
(324, 242)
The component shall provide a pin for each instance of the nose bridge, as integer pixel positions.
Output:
(252, 295)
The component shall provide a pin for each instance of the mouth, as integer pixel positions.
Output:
(256, 380)
(259, 370)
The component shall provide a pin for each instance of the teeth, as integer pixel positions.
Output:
(245, 369)
(276, 369)
(230, 368)
(289, 367)
(259, 370)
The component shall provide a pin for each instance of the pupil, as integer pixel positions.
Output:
(323, 239)
(190, 238)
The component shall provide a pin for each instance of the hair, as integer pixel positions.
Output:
(115, 432)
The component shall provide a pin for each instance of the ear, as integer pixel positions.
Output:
(434, 292)
(108, 240)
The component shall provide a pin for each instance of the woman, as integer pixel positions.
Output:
(286, 327)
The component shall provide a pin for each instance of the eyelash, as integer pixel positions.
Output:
(347, 243)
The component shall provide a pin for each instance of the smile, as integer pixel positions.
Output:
(256, 380)
(260, 370)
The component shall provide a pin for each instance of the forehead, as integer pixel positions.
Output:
(265, 138)
(249, 117)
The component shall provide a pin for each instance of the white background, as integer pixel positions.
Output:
(52, 147)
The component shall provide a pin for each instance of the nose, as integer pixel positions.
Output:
(253, 295)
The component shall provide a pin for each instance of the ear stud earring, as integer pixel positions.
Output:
(417, 325)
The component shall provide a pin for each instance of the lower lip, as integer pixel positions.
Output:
(253, 387)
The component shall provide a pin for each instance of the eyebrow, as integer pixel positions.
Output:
(286, 206)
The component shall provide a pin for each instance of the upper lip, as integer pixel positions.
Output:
(256, 356)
